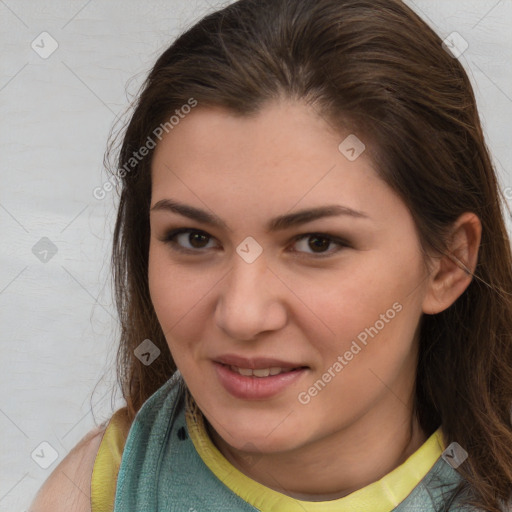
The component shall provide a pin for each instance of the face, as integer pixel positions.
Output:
(290, 331)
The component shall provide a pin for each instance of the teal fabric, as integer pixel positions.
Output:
(162, 471)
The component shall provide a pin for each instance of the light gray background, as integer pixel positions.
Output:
(58, 322)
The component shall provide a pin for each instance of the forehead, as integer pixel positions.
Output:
(285, 135)
(283, 155)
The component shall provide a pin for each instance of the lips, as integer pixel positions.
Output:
(261, 372)
(256, 378)
(257, 363)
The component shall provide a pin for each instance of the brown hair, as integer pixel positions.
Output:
(372, 67)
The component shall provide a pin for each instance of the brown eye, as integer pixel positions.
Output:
(197, 239)
(188, 240)
(318, 244)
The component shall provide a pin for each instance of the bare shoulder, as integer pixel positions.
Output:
(68, 488)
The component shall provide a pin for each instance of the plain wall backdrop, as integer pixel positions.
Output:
(67, 70)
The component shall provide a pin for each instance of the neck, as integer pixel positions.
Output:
(338, 464)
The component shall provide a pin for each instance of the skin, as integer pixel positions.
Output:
(291, 303)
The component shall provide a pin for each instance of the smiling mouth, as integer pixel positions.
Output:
(262, 372)
(261, 382)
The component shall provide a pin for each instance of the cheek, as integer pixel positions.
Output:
(376, 305)
(173, 288)
(169, 292)
(179, 296)
(162, 284)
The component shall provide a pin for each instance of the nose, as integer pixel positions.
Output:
(251, 300)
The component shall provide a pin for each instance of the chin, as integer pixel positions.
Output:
(257, 445)
(255, 436)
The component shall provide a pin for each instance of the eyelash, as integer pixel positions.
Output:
(169, 239)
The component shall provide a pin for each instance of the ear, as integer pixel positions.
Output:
(452, 272)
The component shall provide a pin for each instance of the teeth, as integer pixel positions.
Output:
(260, 372)
(244, 371)
(263, 372)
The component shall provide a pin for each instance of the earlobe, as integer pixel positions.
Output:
(453, 271)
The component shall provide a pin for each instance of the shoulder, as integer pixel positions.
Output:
(68, 488)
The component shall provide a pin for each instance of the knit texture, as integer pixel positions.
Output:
(161, 470)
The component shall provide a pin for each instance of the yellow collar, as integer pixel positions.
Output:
(381, 496)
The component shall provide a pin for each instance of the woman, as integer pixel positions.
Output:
(313, 274)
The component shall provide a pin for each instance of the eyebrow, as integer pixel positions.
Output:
(281, 222)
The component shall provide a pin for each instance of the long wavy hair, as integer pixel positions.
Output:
(373, 67)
